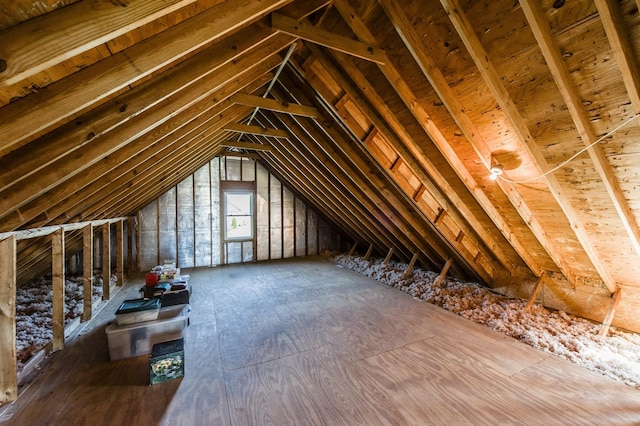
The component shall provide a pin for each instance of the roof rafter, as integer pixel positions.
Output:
(52, 38)
(560, 72)
(481, 59)
(437, 80)
(26, 118)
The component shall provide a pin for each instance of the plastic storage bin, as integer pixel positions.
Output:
(138, 310)
(126, 341)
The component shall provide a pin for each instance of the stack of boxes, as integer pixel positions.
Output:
(154, 324)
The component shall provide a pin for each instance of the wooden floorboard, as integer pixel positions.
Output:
(304, 342)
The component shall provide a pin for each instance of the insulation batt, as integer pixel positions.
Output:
(34, 311)
(573, 338)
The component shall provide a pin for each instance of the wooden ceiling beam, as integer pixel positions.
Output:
(553, 56)
(382, 190)
(249, 146)
(480, 57)
(393, 76)
(147, 166)
(408, 149)
(39, 112)
(30, 159)
(52, 38)
(432, 72)
(99, 155)
(150, 159)
(273, 105)
(257, 130)
(324, 38)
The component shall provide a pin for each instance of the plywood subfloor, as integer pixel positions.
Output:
(304, 342)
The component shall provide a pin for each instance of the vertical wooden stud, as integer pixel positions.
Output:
(366, 256)
(536, 290)
(411, 265)
(443, 273)
(57, 272)
(295, 222)
(130, 222)
(87, 272)
(388, 258)
(119, 254)
(608, 318)
(106, 261)
(353, 248)
(8, 361)
(138, 242)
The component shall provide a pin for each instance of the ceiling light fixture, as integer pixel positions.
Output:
(496, 171)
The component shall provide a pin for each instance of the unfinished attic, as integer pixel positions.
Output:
(427, 144)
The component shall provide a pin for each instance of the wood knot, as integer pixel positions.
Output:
(3, 65)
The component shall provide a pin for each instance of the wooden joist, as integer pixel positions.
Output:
(368, 254)
(274, 105)
(119, 254)
(353, 248)
(250, 146)
(106, 261)
(324, 38)
(388, 258)
(256, 130)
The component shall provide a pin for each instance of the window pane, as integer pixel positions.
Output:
(238, 227)
(238, 204)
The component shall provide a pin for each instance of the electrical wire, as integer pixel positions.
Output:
(564, 163)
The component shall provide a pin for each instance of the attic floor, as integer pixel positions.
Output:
(304, 342)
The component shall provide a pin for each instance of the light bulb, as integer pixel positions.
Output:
(496, 171)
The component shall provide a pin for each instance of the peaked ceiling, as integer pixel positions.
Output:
(385, 115)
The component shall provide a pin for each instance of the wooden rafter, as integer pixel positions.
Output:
(560, 72)
(25, 118)
(613, 23)
(415, 45)
(165, 117)
(54, 37)
(480, 57)
(402, 88)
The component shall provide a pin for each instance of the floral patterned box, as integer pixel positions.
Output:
(166, 361)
